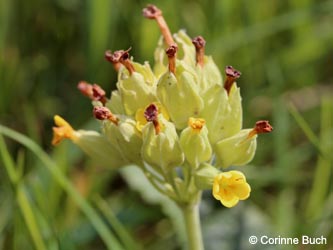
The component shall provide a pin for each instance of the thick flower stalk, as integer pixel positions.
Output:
(179, 122)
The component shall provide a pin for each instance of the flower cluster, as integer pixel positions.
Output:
(179, 122)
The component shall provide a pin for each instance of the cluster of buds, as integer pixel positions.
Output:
(179, 122)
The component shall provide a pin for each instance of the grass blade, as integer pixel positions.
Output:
(108, 238)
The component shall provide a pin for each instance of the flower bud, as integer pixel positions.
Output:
(223, 113)
(230, 187)
(236, 150)
(179, 94)
(239, 149)
(99, 149)
(92, 143)
(205, 175)
(208, 73)
(195, 143)
(136, 88)
(125, 137)
(161, 148)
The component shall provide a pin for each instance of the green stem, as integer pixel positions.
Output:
(193, 227)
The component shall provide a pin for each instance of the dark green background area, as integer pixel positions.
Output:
(284, 50)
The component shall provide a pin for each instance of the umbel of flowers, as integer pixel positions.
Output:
(179, 122)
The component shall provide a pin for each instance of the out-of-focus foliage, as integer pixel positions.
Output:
(284, 51)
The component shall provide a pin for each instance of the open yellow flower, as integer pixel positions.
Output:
(63, 130)
(230, 187)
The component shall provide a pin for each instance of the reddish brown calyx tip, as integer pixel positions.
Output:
(199, 44)
(86, 89)
(94, 92)
(232, 74)
(99, 94)
(114, 58)
(103, 113)
(124, 59)
(151, 12)
(261, 127)
(151, 115)
(171, 53)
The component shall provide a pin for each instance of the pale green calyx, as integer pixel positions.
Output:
(239, 149)
(125, 137)
(99, 149)
(195, 143)
(161, 148)
(236, 150)
(179, 93)
(204, 176)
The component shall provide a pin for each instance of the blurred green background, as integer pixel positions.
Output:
(284, 51)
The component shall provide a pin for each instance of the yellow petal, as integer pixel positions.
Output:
(230, 203)
(62, 130)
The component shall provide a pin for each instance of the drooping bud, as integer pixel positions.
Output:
(231, 75)
(103, 113)
(162, 151)
(152, 12)
(238, 150)
(199, 44)
(230, 187)
(195, 143)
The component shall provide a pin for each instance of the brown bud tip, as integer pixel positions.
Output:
(98, 91)
(113, 57)
(232, 75)
(101, 113)
(172, 50)
(85, 88)
(151, 11)
(151, 113)
(98, 94)
(199, 42)
(260, 128)
(231, 72)
(263, 127)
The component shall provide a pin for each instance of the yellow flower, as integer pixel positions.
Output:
(63, 130)
(230, 187)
